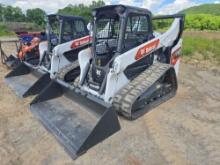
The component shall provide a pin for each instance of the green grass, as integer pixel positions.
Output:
(4, 31)
(208, 48)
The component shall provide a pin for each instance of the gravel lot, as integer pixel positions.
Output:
(184, 130)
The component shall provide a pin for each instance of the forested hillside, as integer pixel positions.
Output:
(213, 9)
(203, 17)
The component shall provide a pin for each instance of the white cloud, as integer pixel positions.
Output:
(156, 6)
(177, 6)
(151, 4)
(124, 2)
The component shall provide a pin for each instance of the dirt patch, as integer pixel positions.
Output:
(184, 130)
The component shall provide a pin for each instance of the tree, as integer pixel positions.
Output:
(96, 4)
(18, 15)
(1, 12)
(12, 14)
(81, 9)
(36, 16)
(202, 22)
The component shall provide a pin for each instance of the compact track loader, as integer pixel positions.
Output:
(27, 47)
(129, 69)
(66, 36)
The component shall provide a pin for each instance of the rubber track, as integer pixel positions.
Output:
(124, 100)
(62, 72)
(76, 82)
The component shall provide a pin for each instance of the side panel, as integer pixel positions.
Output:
(84, 61)
(114, 83)
(164, 40)
(123, 61)
(43, 47)
(168, 38)
(59, 60)
(175, 56)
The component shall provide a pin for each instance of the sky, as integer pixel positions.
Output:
(156, 6)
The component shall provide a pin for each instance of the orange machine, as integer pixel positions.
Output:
(26, 49)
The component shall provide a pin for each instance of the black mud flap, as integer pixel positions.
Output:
(26, 81)
(77, 122)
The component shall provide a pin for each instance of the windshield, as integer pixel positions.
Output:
(107, 34)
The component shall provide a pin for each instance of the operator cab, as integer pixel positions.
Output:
(62, 29)
(117, 29)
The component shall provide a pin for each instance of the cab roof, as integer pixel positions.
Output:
(128, 9)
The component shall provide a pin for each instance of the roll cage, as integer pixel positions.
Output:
(61, 29)
(125, 39)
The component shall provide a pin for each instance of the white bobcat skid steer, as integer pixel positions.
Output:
(134, 68)
(66, 36)
(129, 69)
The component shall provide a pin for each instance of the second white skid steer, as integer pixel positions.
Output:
(66, 36)
(129, 69)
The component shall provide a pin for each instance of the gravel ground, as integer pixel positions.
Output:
(184, 130)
